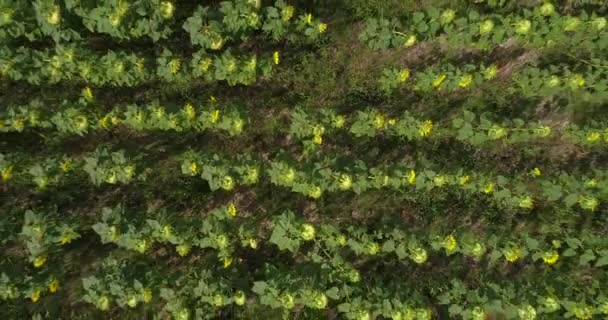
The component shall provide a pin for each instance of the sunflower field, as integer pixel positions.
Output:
(304, 159)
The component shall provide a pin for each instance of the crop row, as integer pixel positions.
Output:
(323, 244)
(314, 179)
(209, 27)
(588, 84)
(312, 127)
(541, 28)
(118, 68)
(77, 118)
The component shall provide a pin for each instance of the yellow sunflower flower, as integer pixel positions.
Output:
(167, 9)
(593, 136)
(512, 254)
(35, 295)
(425, 128)
(39, 261)
(463, 180)
(404, 75)
(465, 81)
(412, 177)
(7, 173)
(449, 243)
(439, 80)
(322, 27)
(231, 210)
(215, 116)
(550, 257)
(489, 188)
(275, 57)
(54, 286)
(227, 262)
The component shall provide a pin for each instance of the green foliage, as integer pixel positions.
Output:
(248, 159)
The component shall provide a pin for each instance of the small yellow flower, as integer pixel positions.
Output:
(345, 181)
(536, 172)
(419, 255)
(166, 9)
(439, 180)
(18, 124)
(341, 240)
(253, 243)
(551, 257)
(412, 177)
(275, 57)
(232, 210)
(404, 75)
(526, 202)
(588, 203)
(339, 121)
(307, 232)
(39, 261)
(227, 183)
(490, 72)
(54, 17)
(287, 13)
(572, 23)
(65, 166)
(543, 131)
(7, 173)
(142, 245)
(315, 192)
(227, 262)
(465, 81)
(489, 188)
(547, 9)
(54, 286)
(105, 121)
(425, 128)
(439, 80)
(599, 23)
(317, 139)
(593, 136)
(183, 249)
(591, 183)
(217, 43)
(392, 122)
(147, 295)
(322, 27)
(64, 240)
(87, 93)
(379, 120)
(35, 295)
(373, 248)
(119, 67)
(189, 111)
(215, 116)
(486, 26)
(174, 65)
(204, 64)
(193, 168)
(583, 312)
(512, 254)
(308, 18)
(463, 180)
(449, 243)
(411, 40)
(576, 81)
(523, 26)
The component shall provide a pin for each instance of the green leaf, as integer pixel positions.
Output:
(333, 293)
(389, 246)
(602, 261)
